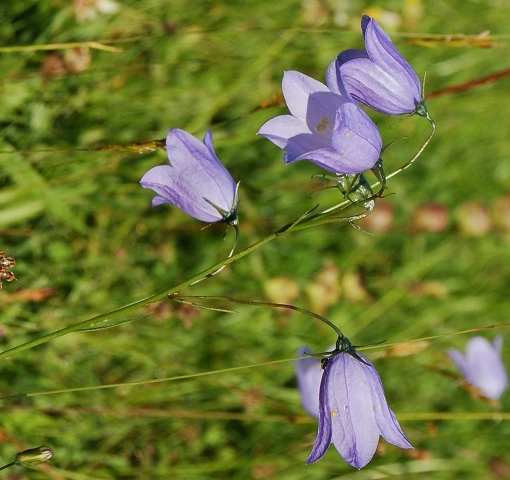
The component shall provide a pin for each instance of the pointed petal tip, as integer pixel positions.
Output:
(314, 457)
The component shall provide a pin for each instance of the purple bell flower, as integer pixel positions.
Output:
(353, 411)
(378, 76)
(482, 366)
(195, 181)
(328, 129)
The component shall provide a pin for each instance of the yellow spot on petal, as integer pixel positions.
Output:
(333, 413)
(323, 126)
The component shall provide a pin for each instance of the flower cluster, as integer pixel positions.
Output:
(327, 127)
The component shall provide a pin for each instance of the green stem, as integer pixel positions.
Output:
(7, 466)
(105, 317)
(267, 304)
(96, 321)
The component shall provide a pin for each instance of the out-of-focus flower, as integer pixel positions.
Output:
(501, 213)
(34, 456)
(328, 129)
(353, 411)
(195, 181)
(6, 263)
(473, 219)
(308, 374)
(282, 289)
(430, 217)
(378, 76)
(53, 66)
(482, 366)
(77, 60)
(324, 290)
(87, 10)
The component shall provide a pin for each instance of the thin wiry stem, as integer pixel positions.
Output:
(7, 466)
(263, 304)
(219, 269)
(418, 153)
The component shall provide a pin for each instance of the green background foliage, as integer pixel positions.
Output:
(87, 241)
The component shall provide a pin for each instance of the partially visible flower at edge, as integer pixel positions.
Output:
(195, 181)
(326, 128)
(353, 411)
(379, 76)
(482, 366)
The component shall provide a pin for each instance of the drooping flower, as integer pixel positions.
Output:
(195, 181)
(353, 411)
(326, 128)
(378, 76)
(482, 366)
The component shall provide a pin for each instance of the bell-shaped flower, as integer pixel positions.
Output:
(482, 366)
(353, 411)
(328, 129)
(378, 76)
(195, 181)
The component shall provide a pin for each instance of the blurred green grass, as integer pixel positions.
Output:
(77, 222)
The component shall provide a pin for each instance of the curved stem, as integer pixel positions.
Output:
(418, 153)
(236, 238)
(267, 304)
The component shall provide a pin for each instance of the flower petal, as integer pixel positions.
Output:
(381, 51)
(297, 89)
(377, 88)
(460, 361)
(200, 169)
(356, 139)
(355, 431)
(498, 344)
(323, 440)
(171, 189)
(387, 423)
(291, 135)
(351, 54)
(379, 77)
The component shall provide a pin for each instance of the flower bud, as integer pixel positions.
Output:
(33, 456)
